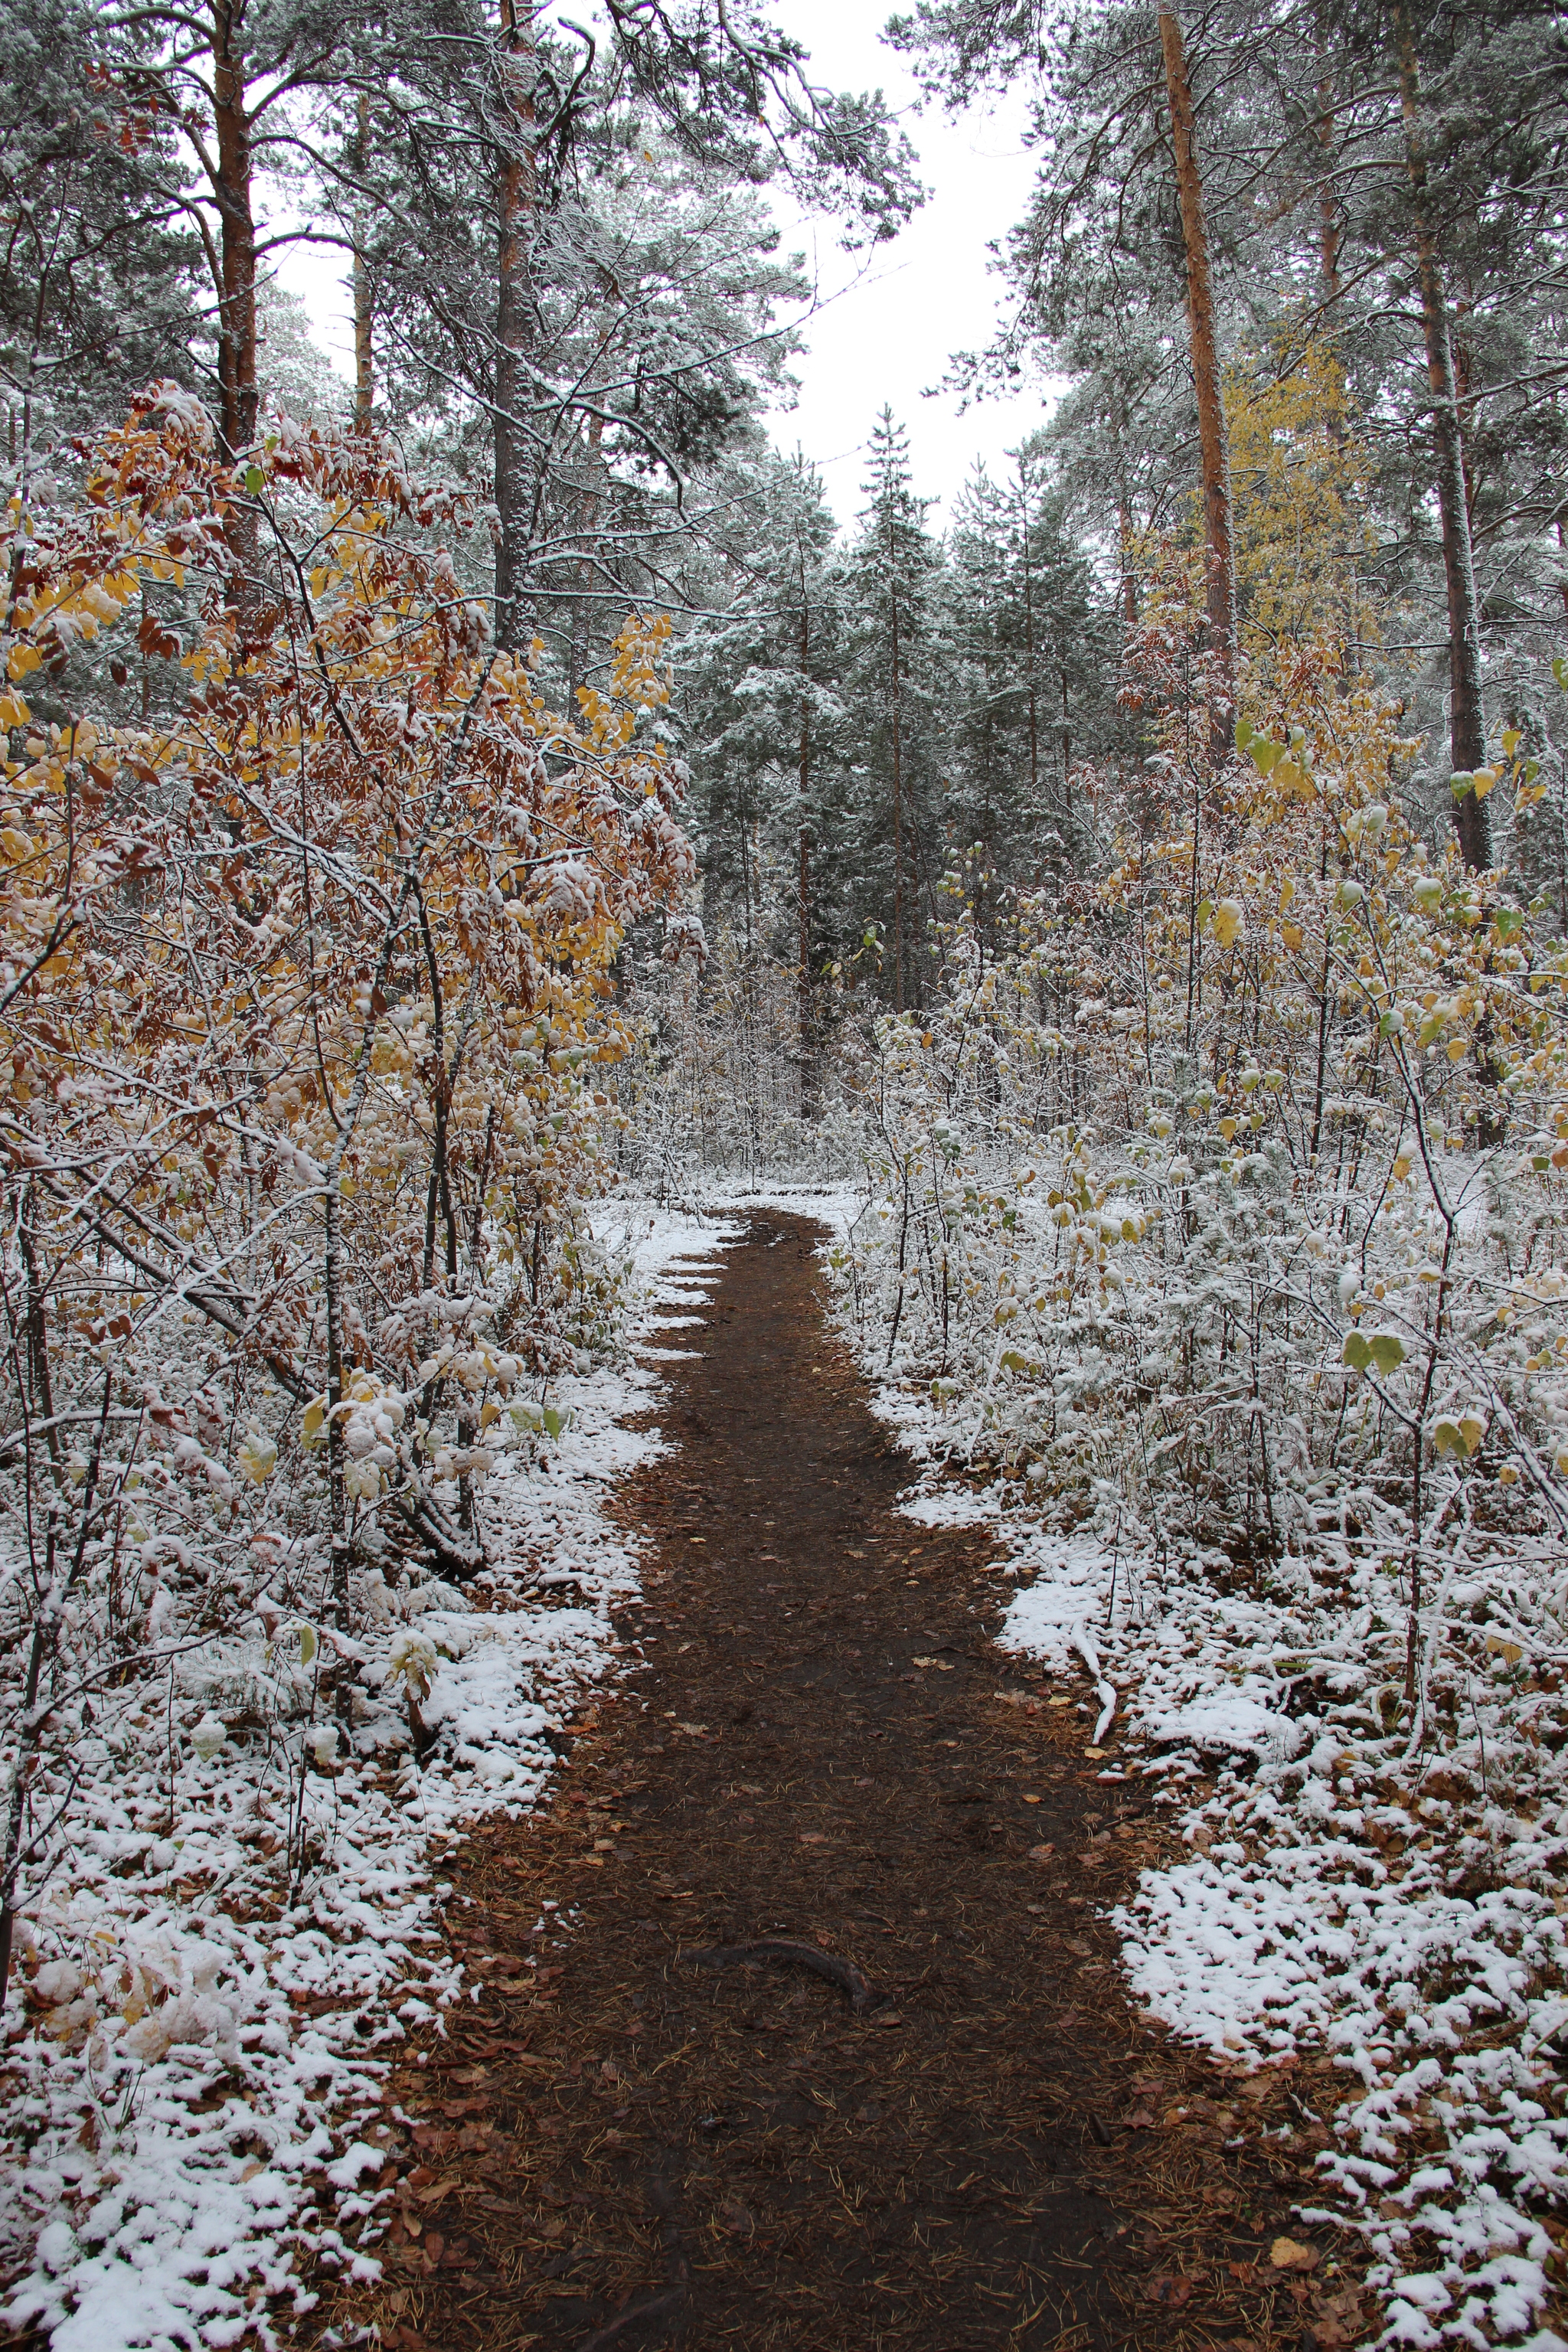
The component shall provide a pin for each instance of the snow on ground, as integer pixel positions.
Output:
(210, 1992)
(1348, 1891)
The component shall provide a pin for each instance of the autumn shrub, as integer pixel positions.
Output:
(1232, 1192)
(306, 1000)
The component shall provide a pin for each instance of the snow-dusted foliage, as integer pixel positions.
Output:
(303, 991)
(1215, 1219)
(248, 1923)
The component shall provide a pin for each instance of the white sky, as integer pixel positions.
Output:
(884, 323)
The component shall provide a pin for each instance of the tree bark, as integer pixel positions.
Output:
(237, 390)
(807, 1071)
(517, 198)
(364, 344)
(1466, 723)
(1213, 453)
(1330, 236)
(898, 774)
(1029, 644)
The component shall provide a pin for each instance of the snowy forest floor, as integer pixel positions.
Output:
(643, 2134)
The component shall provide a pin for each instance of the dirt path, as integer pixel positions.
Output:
(661, 2145)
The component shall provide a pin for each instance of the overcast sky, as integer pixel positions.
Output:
(885, 323)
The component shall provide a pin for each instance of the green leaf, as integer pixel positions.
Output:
(309, 1645)
(1387, 1350)
(255, 481)
(1245, 730)
(1508, 921)
(1356, 1352)
(1460, 783)
(555, 1421)
(1266, 756)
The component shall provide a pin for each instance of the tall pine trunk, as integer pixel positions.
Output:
(517, 199)
(364, 341)
(238, 392)
(1466, 723)
(807, 1041)
(1213, 453)
(898, 717)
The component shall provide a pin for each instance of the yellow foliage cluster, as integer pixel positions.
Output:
(306, 967)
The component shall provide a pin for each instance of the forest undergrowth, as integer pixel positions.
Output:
(1211, 1246)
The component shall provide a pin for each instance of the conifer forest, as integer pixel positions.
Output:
(783, 1276)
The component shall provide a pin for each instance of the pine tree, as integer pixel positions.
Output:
(895, 568)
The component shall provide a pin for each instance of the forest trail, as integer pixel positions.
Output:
(661, 2146)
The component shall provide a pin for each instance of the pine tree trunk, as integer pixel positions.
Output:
(898, 790)
(1213, 455)
(237, 390)
(1129, 577)
(807, 1069)
(1466, 724)
(516, 202)
(1329, 230)
(364, 346)
(1029, 651)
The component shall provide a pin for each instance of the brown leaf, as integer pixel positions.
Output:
(1167, 2287)
(1290, 2254)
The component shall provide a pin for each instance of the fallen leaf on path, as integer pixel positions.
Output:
(1290, 2254)
(922, 1662)
(812, 1837)
(1041, 1852)
(1167, 2288)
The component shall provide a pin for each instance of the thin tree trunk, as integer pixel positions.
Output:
(1029, 644)
(898, 781)
(517, 200)
(364, 346)
(237, 390)
(1129, 577)
(1466, 725)
(808, 1073)
(1330, 231)
(1213, 453)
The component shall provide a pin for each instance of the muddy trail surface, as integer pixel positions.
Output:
(826, 2046)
